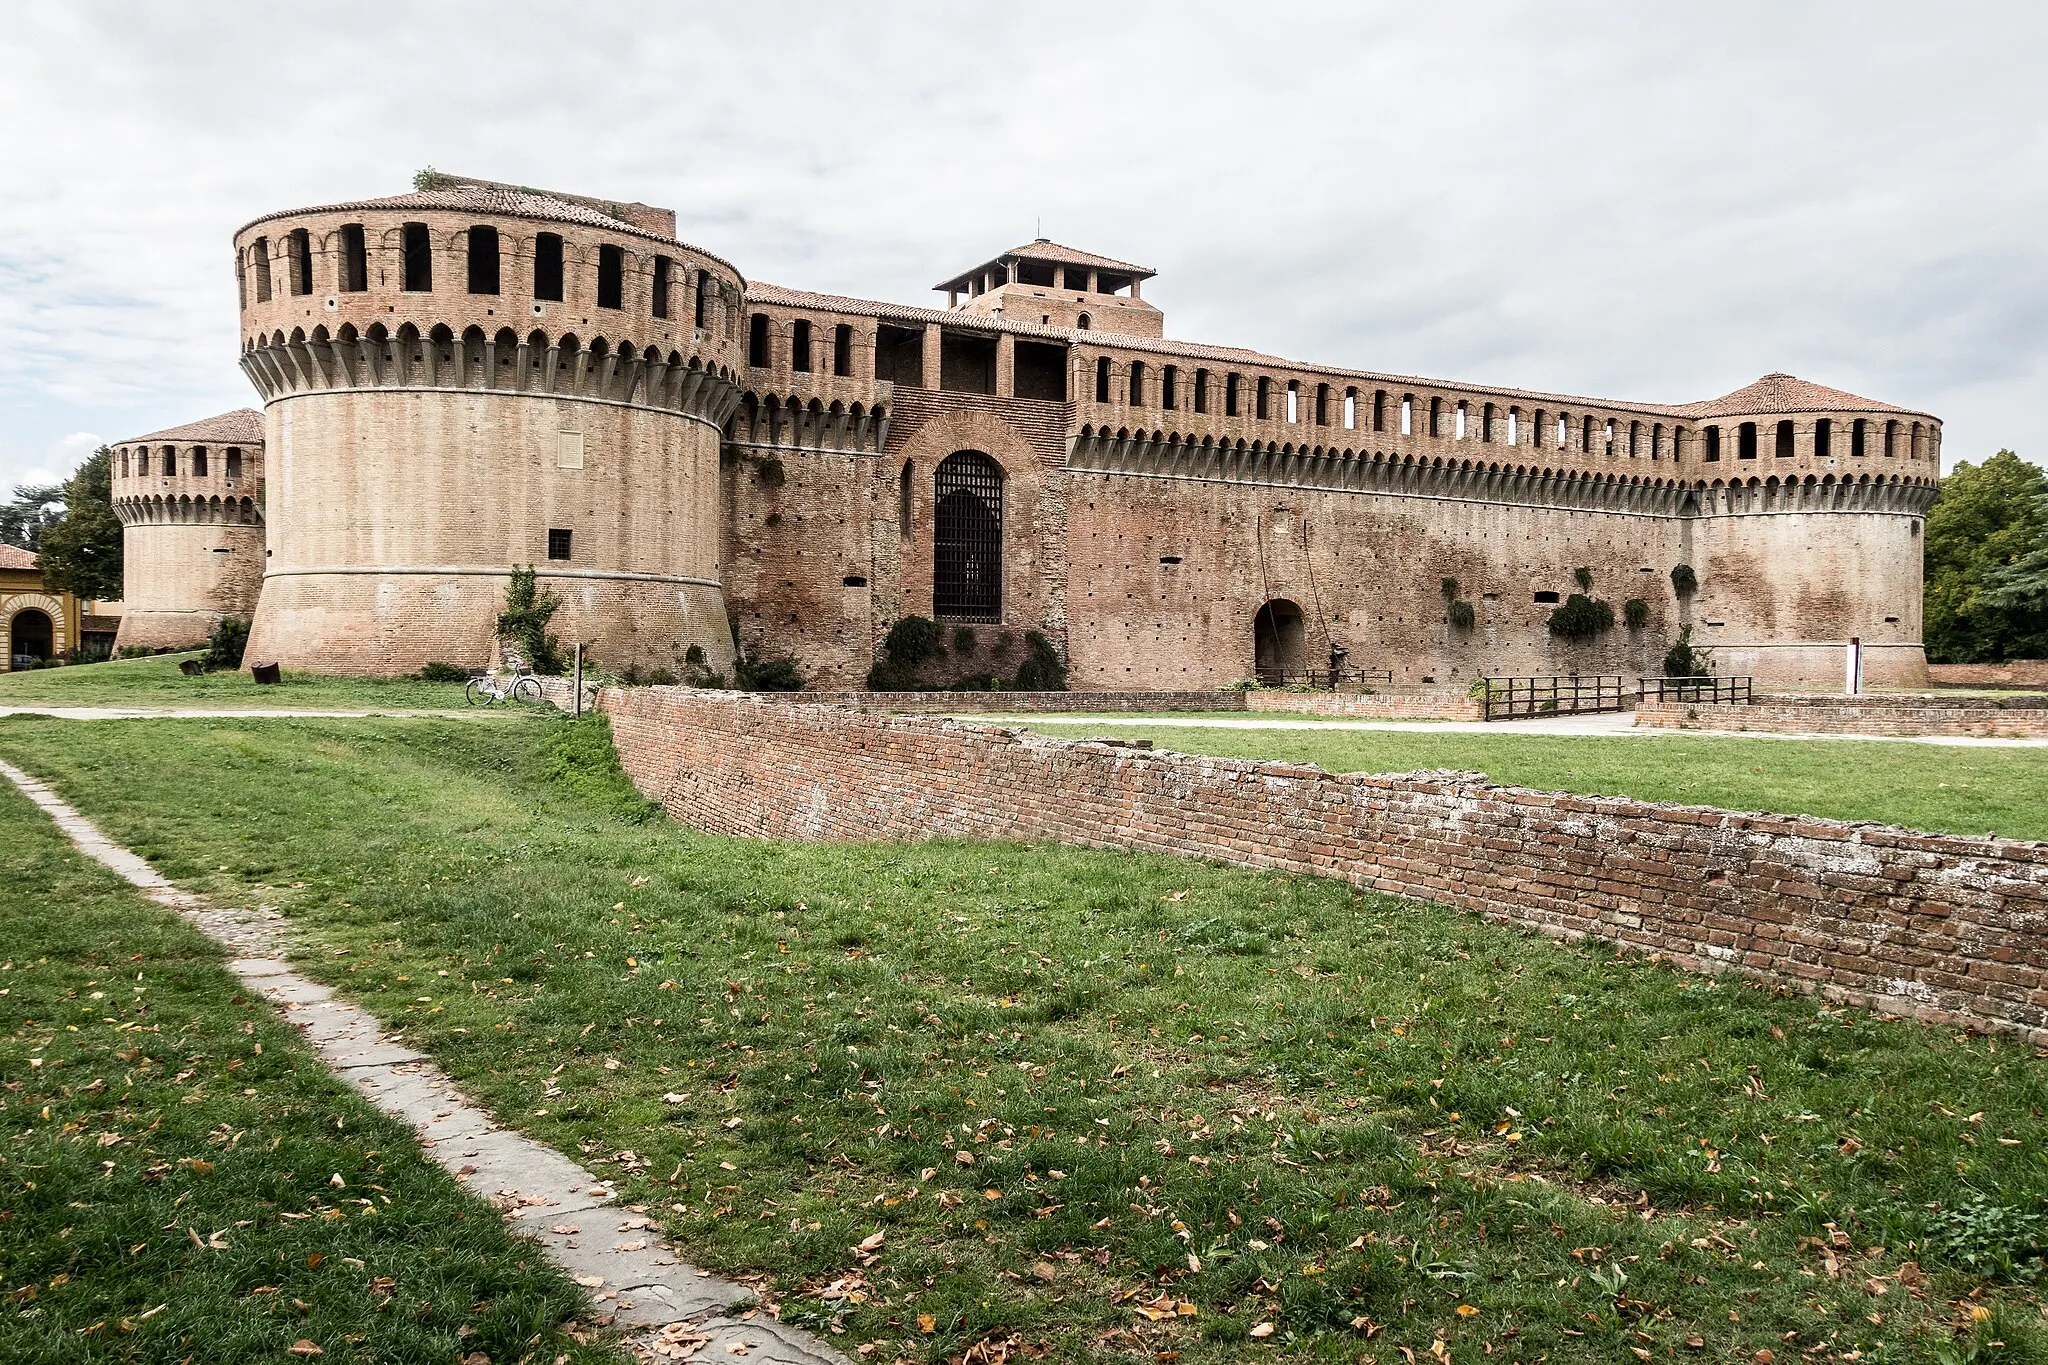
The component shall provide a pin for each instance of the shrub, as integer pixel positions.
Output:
(135, 651)
(1042, 670)
(1685, 659)
(771, 472)
(1581, 618)
(768, 675)
(443, 673)
(910, 645)
(1463, 617)
(524, 622)
(1683, 580)
(964, 641)
(224, 647)
(1584, 578)
(1636, 612)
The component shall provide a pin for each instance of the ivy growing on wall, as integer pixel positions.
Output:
(1636, 613)
(1582, 617)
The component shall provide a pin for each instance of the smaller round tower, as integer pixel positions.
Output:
(190, 501)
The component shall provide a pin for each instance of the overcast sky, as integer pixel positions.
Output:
(1629, 200)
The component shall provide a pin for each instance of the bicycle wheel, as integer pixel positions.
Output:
(526, 689)
(477, 694)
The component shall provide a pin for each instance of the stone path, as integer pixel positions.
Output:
(636, 1278)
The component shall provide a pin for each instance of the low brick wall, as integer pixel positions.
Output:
(2017, 673)
(1010, 703)
(1867, 715)
(1932, 926)
(1390, 705)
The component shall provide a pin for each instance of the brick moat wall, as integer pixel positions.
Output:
(1930, 926)
(2016, 673)
(1857, 716)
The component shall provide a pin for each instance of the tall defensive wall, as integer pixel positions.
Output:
(191, 505)
(474, 377)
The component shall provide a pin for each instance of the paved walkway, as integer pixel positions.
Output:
(1605, 725)
(636, 1278)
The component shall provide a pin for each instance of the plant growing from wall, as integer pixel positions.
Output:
(1457, 611)
(964, 641)
(910, 644)
(1582, 617)
(768, 675)
(1635, 613)
(430, 179)
(1684, 581)
(1584, 577)
(1042, 670)
(1686, 660)
(524, 622)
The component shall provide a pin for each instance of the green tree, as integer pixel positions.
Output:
(1987, 563)
(80, 552)
(35, 507)
(524, 622)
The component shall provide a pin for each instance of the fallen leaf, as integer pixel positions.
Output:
(927, 1323)
(302, 1347)
(965, 1158)
(1262, 1331)
(1466, 1310)
(590, 1281)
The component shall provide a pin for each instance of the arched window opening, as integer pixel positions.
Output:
(199, 462)
(142, 461)
(1514, 426)
(1407, 416)
(1746, 441)
(355, 259)
(1279, 642)
(967, 538)
(417, 252)
(664, 267)
(32, 639)
(234, 463)
(1102, 379)
(842, 350)
(124, 462)
(1823, 438)
(1169, 383)
(1458, 422)
(1201, 391)
(703, 296)
(259, 262)
(1137, 399)
(1351, 409)
(611, 277)
(170, 461)
(906, 486)
(800, 346)
(1918, 448)
(1081, 322)
(547, 267)
(483, 260)
(1784, 439)
(757, 341)
(299, 247)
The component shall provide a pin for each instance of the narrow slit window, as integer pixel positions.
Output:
(417, 248)
(663, 268)
(483, 260)
(611, 277)
(547, 267)
(355, 259)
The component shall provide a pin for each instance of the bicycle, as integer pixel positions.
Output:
(488, 689)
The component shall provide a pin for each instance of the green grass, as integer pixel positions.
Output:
(1272, 1099)
(1947, 788)
(168, 1152)
(156, 681)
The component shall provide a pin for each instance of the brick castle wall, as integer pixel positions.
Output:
(1847, 716)
(1451, 704)
(2017, 673)
(1935, 927)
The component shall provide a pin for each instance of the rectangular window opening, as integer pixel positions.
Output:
(483, 260)
(1784, 439)
(1823, 438)
(234, 463)
(355, 259)
(1041, 371)
(300, 247)
(558, 542)
(547, 267)
(611, 277)
(259, 261)
(199, 461)
(1169, 382)
(663, 269)
(842, 350)
(800, 346)
(757, 341)
(416, 247)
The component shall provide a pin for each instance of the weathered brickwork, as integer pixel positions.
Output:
(2017, 673)
(1012, 703)
(1933, 926)
(1857, 716)
(191, 503)
(474, 376)
(1406, 704)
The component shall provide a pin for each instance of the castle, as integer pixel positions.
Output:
(474, 376)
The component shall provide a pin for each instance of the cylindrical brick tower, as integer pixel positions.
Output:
(190, 501)
(474, 377)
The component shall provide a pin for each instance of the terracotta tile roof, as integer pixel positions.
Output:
(1046, 250)
(1249, 360)
(242, 427)
(14, 557)
(1784, 393)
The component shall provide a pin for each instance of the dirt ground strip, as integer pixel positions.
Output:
(672, 1310)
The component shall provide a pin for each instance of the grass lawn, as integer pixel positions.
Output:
(155, 681)
(1113, 1105)
(179, 1178)
(1948, 788)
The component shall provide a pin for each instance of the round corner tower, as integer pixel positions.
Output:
(190, 501)
(476, 377)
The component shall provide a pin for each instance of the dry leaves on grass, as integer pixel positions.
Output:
(1165, 1306)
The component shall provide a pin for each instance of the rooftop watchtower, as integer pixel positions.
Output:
(1056, 286)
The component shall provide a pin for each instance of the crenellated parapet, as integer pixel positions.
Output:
(561, 366)
(1358, 470)
(789, 422)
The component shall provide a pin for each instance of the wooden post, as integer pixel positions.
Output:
(577, 709)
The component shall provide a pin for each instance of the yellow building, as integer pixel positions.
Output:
(36, 624)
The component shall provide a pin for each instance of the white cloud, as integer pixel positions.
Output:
(1652, 202)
